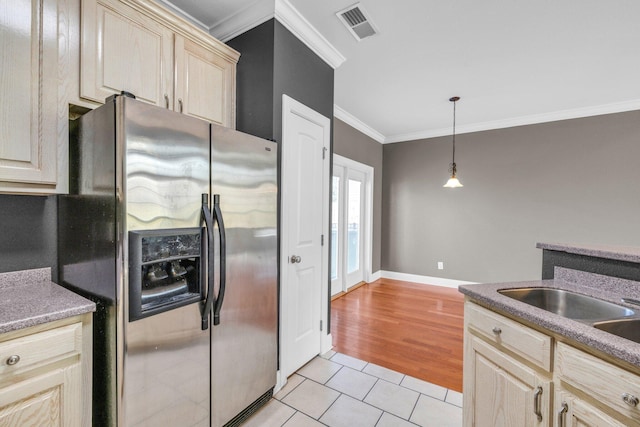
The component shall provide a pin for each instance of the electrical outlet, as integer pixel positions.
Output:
(440, 265)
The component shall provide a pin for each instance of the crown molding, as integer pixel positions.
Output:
(289, 16)
(356, 123)
(576, 113)
(242, 21)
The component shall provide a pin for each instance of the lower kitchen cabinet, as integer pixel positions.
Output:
(599, 384)
(509, 380)
(574, 412)
(50, 399)
(44, 375)
(503, 391)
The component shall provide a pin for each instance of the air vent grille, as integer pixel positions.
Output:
(357, 22)
(354, 17)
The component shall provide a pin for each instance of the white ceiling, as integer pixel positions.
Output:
(512, 62)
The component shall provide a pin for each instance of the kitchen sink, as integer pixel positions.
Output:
(569, 304)
(625, 328)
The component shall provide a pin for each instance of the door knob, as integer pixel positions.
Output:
(295, 259)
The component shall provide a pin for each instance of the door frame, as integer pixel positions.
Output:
(367, 226)
(292, 107)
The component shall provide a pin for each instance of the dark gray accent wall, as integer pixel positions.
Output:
(603, 266)
(274, 62)
(353, 144)
(254, 80)
(573, 181)
(300, 74)
(27, 232)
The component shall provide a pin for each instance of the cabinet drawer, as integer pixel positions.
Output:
(604, 382)
(527, 343)
(24, 352)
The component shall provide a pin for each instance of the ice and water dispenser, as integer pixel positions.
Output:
(164, 270)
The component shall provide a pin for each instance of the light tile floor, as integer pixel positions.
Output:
(337, 390)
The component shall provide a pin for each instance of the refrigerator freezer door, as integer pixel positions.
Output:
(167, 167)
(244, 350)
(165, 163)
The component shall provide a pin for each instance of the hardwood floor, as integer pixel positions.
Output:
(411, 328)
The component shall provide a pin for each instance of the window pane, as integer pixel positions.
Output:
(353, 221)
(335, 210)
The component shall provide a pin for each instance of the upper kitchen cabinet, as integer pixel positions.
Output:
(124, 50)
(205, 83)
(33, 134)
(140, 47)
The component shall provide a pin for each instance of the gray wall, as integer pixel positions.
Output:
(254, 80)
(353, 144)
(300, 74)
(27, 232)
(569, 181)
(274, 62)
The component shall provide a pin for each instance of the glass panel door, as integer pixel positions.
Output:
(353, 225)
(337, 210)
(355, 220)
(351, 209)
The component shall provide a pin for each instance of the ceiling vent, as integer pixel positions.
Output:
(356, 20)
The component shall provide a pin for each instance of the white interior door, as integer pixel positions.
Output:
(304, 270)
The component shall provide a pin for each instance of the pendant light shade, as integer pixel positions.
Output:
(453, 182)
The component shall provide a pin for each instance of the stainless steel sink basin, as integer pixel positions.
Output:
(568, 304)
(625, 328)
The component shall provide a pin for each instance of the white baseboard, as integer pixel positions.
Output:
(375, 276)
(426, 280)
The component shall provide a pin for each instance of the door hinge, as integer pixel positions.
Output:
(324, 152)
(321, 326)
(322, 240)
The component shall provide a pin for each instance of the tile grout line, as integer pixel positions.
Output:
(303, 380)
(372, 387)
(304, 413)
(329, 407)
(414, 407)
(292, 415)
(334, 374)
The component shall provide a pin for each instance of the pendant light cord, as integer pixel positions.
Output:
(453, 158)
(454, 135)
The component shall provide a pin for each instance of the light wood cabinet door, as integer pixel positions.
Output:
(612, 389)
(574, 412)
(28, 119)
(41, 378)
(123, 49)
(500, 391)
(205, 83)
(51, 399)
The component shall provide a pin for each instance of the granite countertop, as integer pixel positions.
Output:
(29, 298)
(599, 286)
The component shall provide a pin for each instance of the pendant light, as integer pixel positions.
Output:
(453, 182)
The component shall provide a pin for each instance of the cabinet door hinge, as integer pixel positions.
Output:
(324, 152)
(321, 326)
(322, 240)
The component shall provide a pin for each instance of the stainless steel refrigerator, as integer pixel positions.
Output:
(171, 228)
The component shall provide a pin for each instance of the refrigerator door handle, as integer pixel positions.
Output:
(217, 215)
(208, 229)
